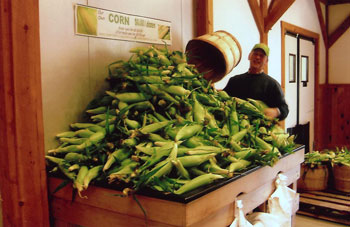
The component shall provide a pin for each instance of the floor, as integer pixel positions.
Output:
(305, 221)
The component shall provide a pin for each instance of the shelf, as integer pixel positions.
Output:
(212, 206)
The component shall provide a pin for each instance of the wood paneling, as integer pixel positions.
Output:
(322, 114)
(22, 163)
(340, 115)
(333, 114)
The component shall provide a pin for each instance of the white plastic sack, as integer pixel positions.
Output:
(240, 220)
(281, 201)
(261, 219)
(257, 219)
(280, 207)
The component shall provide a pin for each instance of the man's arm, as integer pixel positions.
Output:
(284, 110)
(279, 102)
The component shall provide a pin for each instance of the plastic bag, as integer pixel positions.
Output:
(240, 220)
(280, 209)
(281, 201)
(257, 219)
(261, 219)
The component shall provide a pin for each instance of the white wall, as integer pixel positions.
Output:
(74, 67)
(236, 18)
(339, 66)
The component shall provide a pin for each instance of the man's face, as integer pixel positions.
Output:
(257, 59)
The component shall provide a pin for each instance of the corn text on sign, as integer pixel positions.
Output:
(101, 23)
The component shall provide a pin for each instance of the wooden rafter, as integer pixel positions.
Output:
(339, 31)
(263, 36)
(336, 2)
(272, 4)
(277, 10)
(263, 8)
(321, 21)
(204, 17)
(265, 17)
(258, 17)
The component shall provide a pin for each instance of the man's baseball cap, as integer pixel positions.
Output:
(263, 47)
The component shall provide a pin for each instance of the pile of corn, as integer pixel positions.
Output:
(313, 159)
(162, 126)
(339, 156)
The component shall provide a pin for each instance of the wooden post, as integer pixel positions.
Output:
(204, 17)
(264, 34)
(22, 163)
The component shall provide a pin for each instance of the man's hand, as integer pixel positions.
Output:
(272, 112)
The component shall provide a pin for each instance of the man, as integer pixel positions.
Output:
(256, 84)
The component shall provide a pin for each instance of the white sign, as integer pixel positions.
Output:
(100, 23)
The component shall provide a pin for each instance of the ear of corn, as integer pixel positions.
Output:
(195, 160)
(75, 157)
(92, 174)
(240, 164)
(198, 182)
(79, 181)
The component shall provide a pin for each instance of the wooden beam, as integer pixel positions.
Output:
(327, 46)
(283, 65)
(258, 17)
(271, 6)
(278, 9)
(336, 2)
(321, 21)
(264, 12)
(204, 17)
(263, 8)
(22, 162)
(339, 31)
(264, 35)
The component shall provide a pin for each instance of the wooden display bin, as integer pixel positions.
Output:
(214, 207)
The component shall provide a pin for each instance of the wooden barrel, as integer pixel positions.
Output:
(341, 178)
(313, 179)
(214, 54)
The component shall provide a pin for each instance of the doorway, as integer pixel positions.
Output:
(299, 80)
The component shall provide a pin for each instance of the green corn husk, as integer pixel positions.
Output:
(160, 120)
